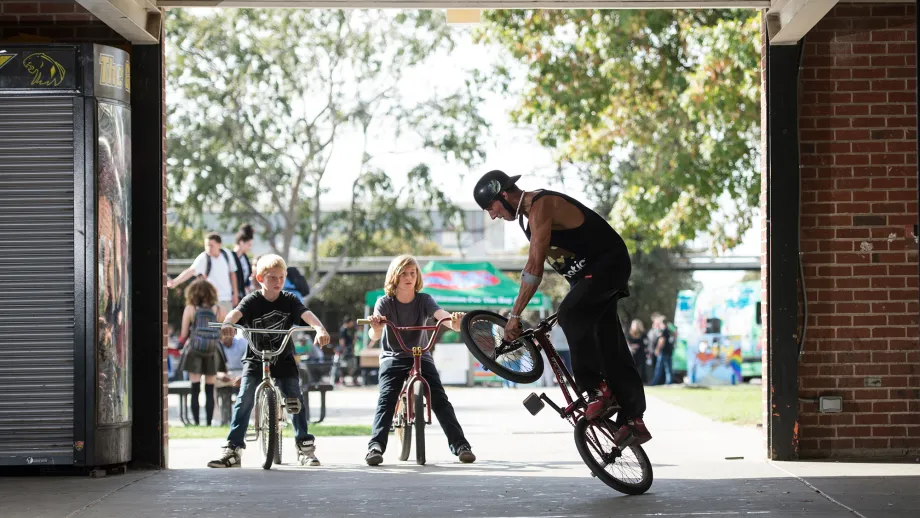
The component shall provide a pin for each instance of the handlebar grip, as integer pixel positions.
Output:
(363, 322)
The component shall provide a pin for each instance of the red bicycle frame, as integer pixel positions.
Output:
(575, 403)
(415, 374)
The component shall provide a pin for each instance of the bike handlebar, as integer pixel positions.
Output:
(396, 329)
(248, 332)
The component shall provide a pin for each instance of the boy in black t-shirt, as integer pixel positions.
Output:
(269, 308)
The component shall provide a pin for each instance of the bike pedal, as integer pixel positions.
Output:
(292, 405)
(533, 403)
(251, 436)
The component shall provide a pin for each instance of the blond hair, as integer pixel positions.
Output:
(636, 328)
(268, 262)
(397, 266)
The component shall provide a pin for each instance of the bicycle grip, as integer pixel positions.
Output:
(363, 322)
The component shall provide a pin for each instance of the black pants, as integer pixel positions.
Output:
(392, 374)
(599, 349)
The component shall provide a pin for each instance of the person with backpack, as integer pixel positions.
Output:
(215, 265)
(244, 272)
(202, 354)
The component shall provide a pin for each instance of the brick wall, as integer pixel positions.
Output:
(63, 21)
(859, 194)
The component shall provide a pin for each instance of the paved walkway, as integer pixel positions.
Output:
(527, 467)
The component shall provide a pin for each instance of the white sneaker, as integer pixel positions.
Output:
(306, 453)
(232, 458)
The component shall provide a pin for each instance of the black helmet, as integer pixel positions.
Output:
(490, 187)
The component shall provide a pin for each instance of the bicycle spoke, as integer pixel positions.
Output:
(624, 465)
(489, 338)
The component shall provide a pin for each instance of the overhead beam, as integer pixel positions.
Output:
(138, 21)
(477, 4)
(788, 21)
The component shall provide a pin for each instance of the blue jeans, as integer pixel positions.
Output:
(662, 370)
(245, 400)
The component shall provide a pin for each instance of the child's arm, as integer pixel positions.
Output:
(187, 316)
(322, 337)
(455, 318)
(186, 274)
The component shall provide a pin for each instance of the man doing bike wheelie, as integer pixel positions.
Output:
(581, 246)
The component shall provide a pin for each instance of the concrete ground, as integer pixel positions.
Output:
(527, 467)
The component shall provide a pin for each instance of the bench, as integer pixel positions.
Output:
(311, 380)
(183, 389)
(322, 388)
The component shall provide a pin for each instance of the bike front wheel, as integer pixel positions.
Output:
(483, 333)
(267, 419)
(419, 397)
(628, 471)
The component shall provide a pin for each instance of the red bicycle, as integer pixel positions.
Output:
(415, 395)
(624, 467)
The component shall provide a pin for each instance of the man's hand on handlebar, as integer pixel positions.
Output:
(513, 329)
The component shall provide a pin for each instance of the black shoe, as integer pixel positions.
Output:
(466, 455)
(374, 457)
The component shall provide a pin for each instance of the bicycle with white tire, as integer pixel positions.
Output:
(271, 408)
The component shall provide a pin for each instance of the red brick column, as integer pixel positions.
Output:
(859, 193)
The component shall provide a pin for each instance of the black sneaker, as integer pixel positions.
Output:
(232, 458)
(374, 457)
(466, 455)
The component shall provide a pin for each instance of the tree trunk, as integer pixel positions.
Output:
(314, 237)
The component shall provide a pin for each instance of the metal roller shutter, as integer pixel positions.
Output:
(36, 280)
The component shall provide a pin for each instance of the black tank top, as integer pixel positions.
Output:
(576, 251)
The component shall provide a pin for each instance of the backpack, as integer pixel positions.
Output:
(207, 270)
(204, 339)
(298, 281)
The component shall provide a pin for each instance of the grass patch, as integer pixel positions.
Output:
(738, 404)
(220, 432)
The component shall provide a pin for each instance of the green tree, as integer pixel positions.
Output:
(653, 286)
(261, 97)
(662, 106)
(344, 295)
(183, 242)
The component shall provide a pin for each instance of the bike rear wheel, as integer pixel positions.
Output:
(403, 433)
(267, 419)
(483, 332)
(419, 397)
(628, 471)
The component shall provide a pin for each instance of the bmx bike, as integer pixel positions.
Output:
(413, 407)
(624, 467)
(271, 408)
